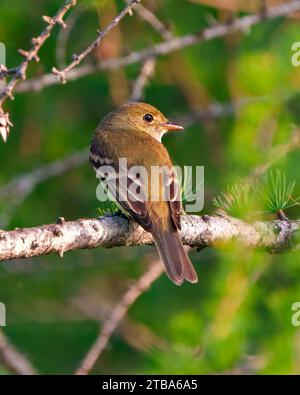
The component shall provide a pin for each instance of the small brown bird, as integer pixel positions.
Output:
(134, 131)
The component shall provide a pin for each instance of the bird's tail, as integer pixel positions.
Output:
(177, 264)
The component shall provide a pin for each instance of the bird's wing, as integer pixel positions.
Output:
(129, 190)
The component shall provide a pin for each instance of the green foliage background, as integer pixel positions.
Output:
(238, 318)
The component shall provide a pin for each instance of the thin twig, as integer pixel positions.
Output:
(174, 44)
(148, 66)
(276, 154)
(96, 306)
(13, 359)
(148, 16)
(146, 72)
(19, 73)
(118, 313)
(15, 191)
(32, 55)
(26, 182)
(63, 37)
(78, 58)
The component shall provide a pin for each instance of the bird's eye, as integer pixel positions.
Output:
(148, 118)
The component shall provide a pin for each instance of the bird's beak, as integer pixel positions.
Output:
(172, 126)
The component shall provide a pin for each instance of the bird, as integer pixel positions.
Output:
(133, 132)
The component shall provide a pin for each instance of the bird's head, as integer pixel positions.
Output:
(139, 117)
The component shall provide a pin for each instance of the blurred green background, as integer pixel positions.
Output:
(238, 318)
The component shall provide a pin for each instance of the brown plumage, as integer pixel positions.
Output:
(134, 131)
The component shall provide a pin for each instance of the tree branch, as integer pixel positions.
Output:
(95, 305)
(19, 73)
(117, 314)
(164, 48)
(13, 359)
(206, 231)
